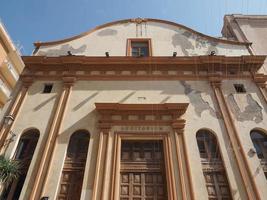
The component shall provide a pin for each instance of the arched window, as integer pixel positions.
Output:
(74, 165)
(23, 154)
(259, 140)
(212, 166)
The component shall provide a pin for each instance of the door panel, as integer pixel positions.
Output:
(74, 166)
(142, 174)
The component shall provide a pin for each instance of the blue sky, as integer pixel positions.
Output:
(28, 21)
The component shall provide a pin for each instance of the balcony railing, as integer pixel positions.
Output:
(12, 70)
(4, 88)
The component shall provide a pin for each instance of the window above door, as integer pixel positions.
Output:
(139, 47)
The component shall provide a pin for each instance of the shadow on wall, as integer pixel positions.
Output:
(77, 107)
(44, 103)
(167, 91)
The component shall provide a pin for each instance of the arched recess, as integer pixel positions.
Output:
(74, 166)
(24, 153)
(259, 139)
(212, 166)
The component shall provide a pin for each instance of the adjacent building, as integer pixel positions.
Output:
(11, 65)
(139, 109)
(248, 28)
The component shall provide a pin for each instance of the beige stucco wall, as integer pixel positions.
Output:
(36, 112)
(250, 28)
(249, 112)
(202, 112)
(165, 38)
(255, 30)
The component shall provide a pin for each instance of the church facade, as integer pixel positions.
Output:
(139, 109)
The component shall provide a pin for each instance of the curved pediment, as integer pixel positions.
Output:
(166, 37)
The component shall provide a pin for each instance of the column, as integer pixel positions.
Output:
(13, 111)
(183, 164)
(49, 144)
(102, 164)
(246, 174)
(105, 187)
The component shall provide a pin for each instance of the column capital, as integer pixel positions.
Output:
(178, 125)
(215, 82)
(179, 131)
(260, 80)
(68, 80)
(261, 84)
(27, 81)
(105, 127)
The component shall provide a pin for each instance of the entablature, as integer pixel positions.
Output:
(167, 114)
(143, 68)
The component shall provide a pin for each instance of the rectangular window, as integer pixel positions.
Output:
(48, 88)
(139, 47)
(239, 88)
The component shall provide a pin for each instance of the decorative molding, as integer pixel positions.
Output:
(143, 114)
(260, 80)
(113, 114)
(68, 81)
(139, 20)
(27, 80)
(142, 68)
(215, 81)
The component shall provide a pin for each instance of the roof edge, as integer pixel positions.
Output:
(39, 44)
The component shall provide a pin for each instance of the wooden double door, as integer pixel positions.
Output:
(74, 166)
(142, 175)
(70, 187)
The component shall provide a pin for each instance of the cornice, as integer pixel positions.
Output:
(107, 112)
(117, 107)
(145, 68)
(245, 59)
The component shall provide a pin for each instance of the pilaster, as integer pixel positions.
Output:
(239, 153)
(14, 110)
(260, 81)
(102, 163)
(49, 145)
(183, 164)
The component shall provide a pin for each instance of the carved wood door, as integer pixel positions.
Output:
(142, 174)
(73, 171)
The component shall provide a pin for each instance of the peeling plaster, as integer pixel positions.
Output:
(183, 42)
(170, 38)
(197, 100)
(107, 32)
(251, 112)
(188, 41)
(63, 50)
